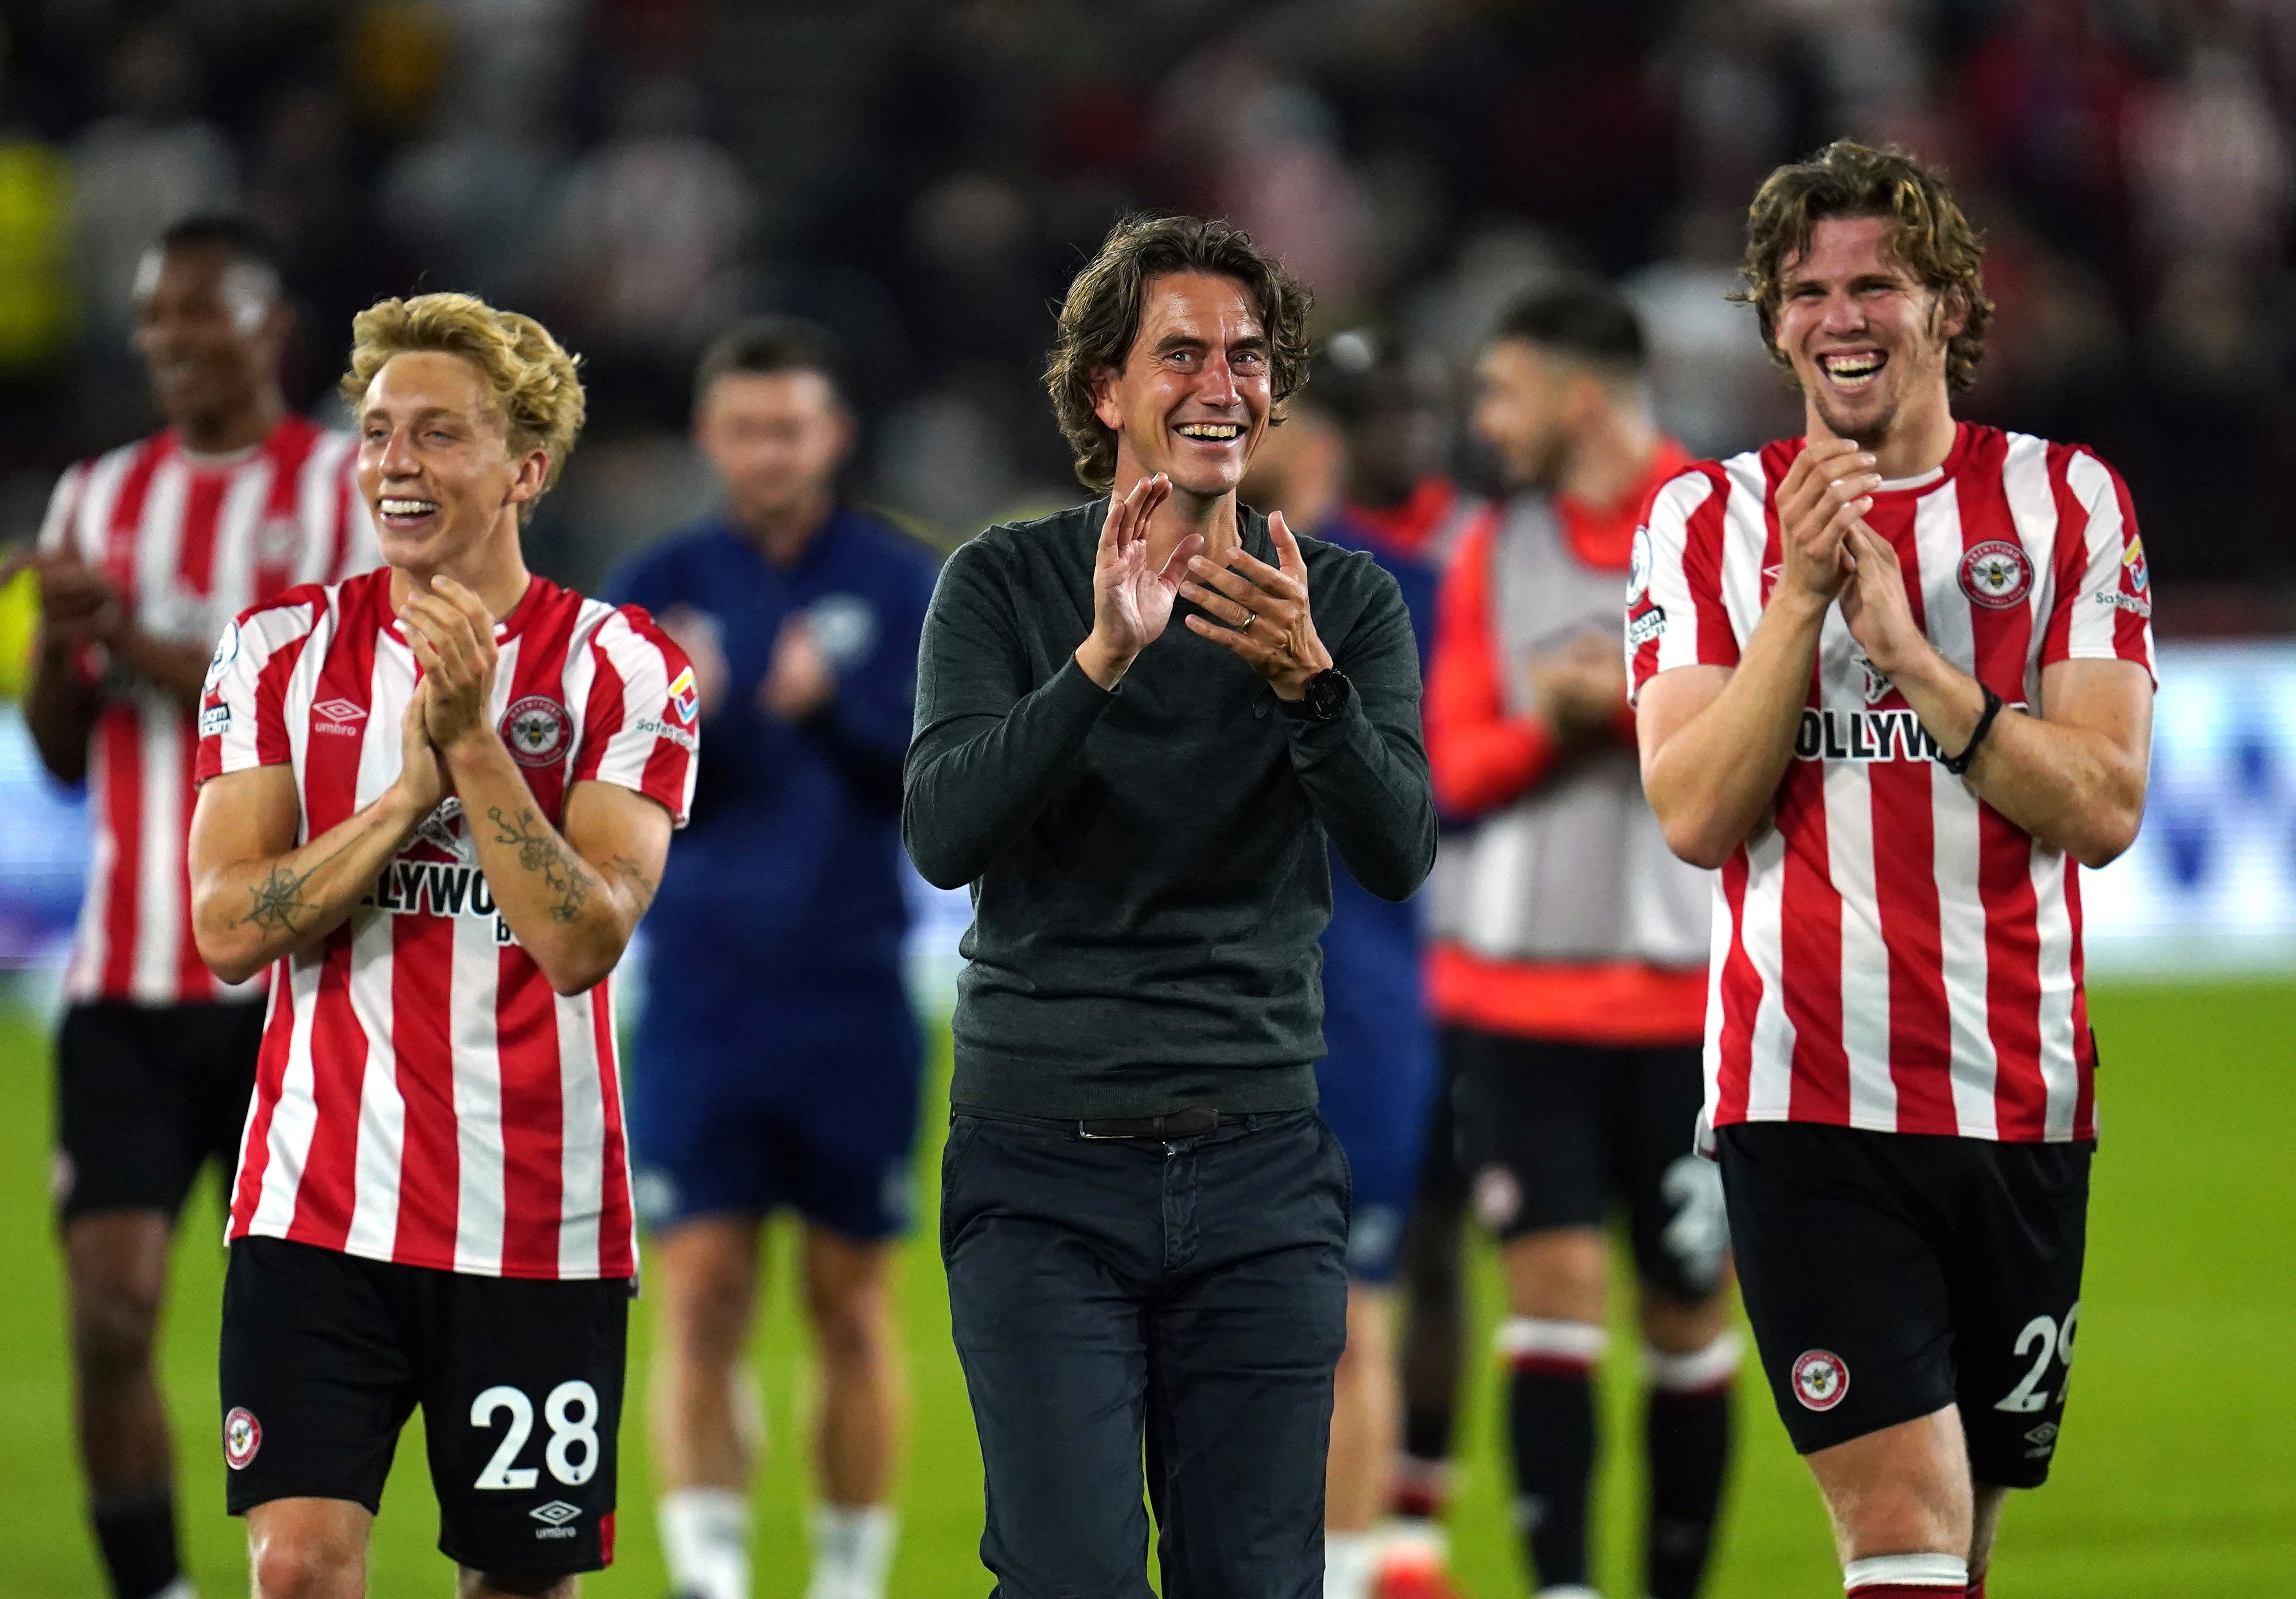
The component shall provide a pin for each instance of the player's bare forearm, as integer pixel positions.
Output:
(1717, 740)
(179, 669)
(572, 898)
(256, 898)
(2073, 777)
(60, 709)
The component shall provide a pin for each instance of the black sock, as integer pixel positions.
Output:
(1688, 1436)
(1427, 1431)
(1551, 1427)
(138, 1535)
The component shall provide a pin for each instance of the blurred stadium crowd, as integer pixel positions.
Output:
(926, 177)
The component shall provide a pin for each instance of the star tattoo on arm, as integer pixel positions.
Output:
(278, 900)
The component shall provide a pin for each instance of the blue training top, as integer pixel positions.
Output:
(1358, 916)
(789, 872)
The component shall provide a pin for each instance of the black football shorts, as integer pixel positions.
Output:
(147, 1095)
(1552, 1135)
(326, 1355)
(1889, 1274)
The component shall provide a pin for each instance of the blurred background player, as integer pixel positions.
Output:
(1358, 462)
(1577, 969)
(146, 554)
(777, 1054)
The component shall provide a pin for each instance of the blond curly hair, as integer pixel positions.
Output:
(537, 393)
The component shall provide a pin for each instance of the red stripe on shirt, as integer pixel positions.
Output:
(1702, 569)
(194, 983)
(290, 447)
(2084, 1041)
(533, 1119)
(431, 1160)
(2130, 629)
(1905, 883)
(2071, 562)
(1741, 999)
(602, 718)
(325, 1197)
(615, 1257)
(119, 736)
(270, 1075)
(195, 551)
(2012, 974)
(1810, 936)
(127, 514)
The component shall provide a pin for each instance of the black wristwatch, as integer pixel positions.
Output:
(1323, 698)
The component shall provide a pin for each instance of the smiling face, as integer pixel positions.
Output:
(435, 463)
(208, 327)
(1866, 338)
(1193, 396)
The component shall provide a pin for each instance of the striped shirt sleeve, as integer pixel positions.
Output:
(641, 729)
(2105, 608)
(1675, 613)
(242, 705)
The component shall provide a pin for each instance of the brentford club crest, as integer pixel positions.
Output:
(1997, 575)
(1820, 1379)
(537, 731)
(243, 1436)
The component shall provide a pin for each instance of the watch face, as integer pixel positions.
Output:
(1327, 692)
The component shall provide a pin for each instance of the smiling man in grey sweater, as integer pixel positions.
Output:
(1138, 722)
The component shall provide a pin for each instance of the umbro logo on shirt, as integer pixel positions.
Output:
(338, 716)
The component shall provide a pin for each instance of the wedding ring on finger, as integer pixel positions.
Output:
(1250, 617)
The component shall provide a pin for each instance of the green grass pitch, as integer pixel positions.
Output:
(2177, 1476)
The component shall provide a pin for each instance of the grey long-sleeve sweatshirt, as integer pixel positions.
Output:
(1148, 865)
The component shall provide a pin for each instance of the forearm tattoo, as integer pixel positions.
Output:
(279, 906)
(278, 901)
(634, 873)
(540, 850)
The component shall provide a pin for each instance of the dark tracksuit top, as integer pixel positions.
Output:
(1149, 867)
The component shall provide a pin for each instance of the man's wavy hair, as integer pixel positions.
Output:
(1100, 319)
(537, 395)
(1932, 239)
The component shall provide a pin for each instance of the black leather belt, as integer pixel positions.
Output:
(1190, 1123)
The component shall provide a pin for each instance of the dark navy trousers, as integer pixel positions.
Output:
(1186, 1300)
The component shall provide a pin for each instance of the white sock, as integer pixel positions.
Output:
(1947, 1573)
(181, 1589)
(705, 1538)
(852, 1549)
(1350, 1561)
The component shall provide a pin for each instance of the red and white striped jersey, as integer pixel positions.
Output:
(422, 1095)
(189, 543)
(1894, 953)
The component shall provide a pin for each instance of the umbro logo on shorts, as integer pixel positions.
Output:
(557, 1512)
(1820, 1379)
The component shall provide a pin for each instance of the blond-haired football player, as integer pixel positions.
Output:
(437, 797)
